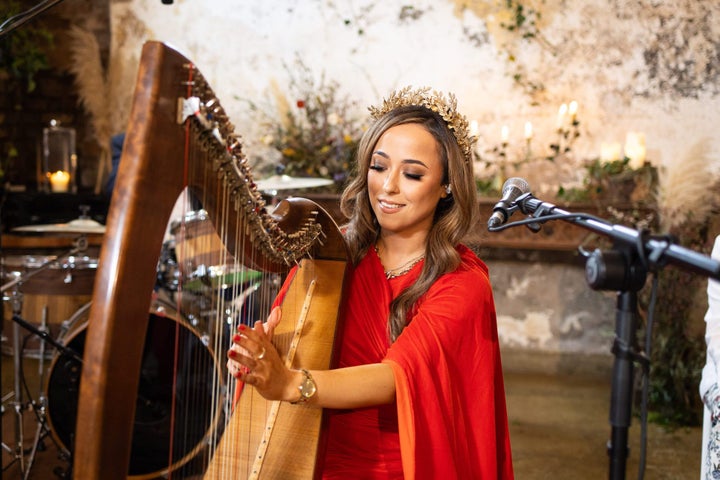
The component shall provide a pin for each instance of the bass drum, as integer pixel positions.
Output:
(185, 389)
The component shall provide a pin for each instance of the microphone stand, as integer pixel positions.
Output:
(623, 269)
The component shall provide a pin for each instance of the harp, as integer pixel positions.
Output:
(179, 140)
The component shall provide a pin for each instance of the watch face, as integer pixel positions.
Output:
(308, 388)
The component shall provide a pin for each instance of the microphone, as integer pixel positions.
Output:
(512, 189)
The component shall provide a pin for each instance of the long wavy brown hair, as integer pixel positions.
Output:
(455, 215)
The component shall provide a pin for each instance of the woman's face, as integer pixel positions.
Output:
(404, 180)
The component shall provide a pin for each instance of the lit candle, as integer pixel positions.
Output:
(561, 115)
(610, 151)
(528, 131)
(635, 149)
(572, 110)
(59, 181)
(505, 134)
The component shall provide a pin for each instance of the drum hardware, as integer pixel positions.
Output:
(19, 403)
(80, 245)
(168, 272)
(45, 335)
(197, 413)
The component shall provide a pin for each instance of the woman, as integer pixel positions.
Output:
(418, 392)
(709, 388)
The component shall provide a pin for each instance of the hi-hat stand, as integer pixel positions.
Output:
(623, 269)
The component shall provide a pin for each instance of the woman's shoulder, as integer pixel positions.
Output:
(470, 276)
(470, 263)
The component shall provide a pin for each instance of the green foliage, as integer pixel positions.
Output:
(522, 22)
(488, 187)
(23, 51)
(613, 181)
(524, 19)
(676, 365)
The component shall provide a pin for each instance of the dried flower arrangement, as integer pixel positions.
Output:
(313, 127)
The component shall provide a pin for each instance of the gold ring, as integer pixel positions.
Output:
(261, 355)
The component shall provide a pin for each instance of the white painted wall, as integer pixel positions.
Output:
(647, 65)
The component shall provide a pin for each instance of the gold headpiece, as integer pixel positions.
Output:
(435, 101)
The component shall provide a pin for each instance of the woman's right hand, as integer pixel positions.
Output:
(253, 359)
(269, 327)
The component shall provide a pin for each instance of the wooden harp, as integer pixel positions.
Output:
(175, 118)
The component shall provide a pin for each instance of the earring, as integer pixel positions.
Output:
(448, 189)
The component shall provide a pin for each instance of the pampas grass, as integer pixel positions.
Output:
(283, 106)
(687, 189)
(93, 92)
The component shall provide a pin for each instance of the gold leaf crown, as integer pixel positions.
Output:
(435, 101)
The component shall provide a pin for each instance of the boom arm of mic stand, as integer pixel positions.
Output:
(659, 250)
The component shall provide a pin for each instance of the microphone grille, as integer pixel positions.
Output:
(516, 182)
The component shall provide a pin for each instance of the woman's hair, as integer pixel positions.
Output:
(454, 217)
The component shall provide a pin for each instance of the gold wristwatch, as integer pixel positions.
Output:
(307, 388)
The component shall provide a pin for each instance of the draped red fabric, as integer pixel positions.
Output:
(449, 385)
(449, 420)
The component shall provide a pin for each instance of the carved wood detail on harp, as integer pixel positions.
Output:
(154, 170)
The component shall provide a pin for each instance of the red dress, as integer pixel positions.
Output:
(449, 420)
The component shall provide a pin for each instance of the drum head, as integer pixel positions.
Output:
(182, 393)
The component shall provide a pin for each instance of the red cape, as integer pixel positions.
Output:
(450, 419)
(449, 385)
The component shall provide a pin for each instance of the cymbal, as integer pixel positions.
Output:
(286, 182)
(79, 225)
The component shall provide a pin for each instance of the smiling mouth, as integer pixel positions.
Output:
(391, 206)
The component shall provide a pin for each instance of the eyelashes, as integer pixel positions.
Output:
(409, 175)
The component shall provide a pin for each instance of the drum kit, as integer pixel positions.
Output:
(46, 303)
(54, 289)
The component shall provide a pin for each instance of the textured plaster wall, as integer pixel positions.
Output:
(549, 307)
(644, 65)
(641, 65)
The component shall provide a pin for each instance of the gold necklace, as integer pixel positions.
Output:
(402, 269)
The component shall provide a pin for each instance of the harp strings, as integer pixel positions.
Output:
(223, 259)
(198, 373)
(216, 293)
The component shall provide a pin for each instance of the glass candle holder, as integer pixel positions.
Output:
(59, 159)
